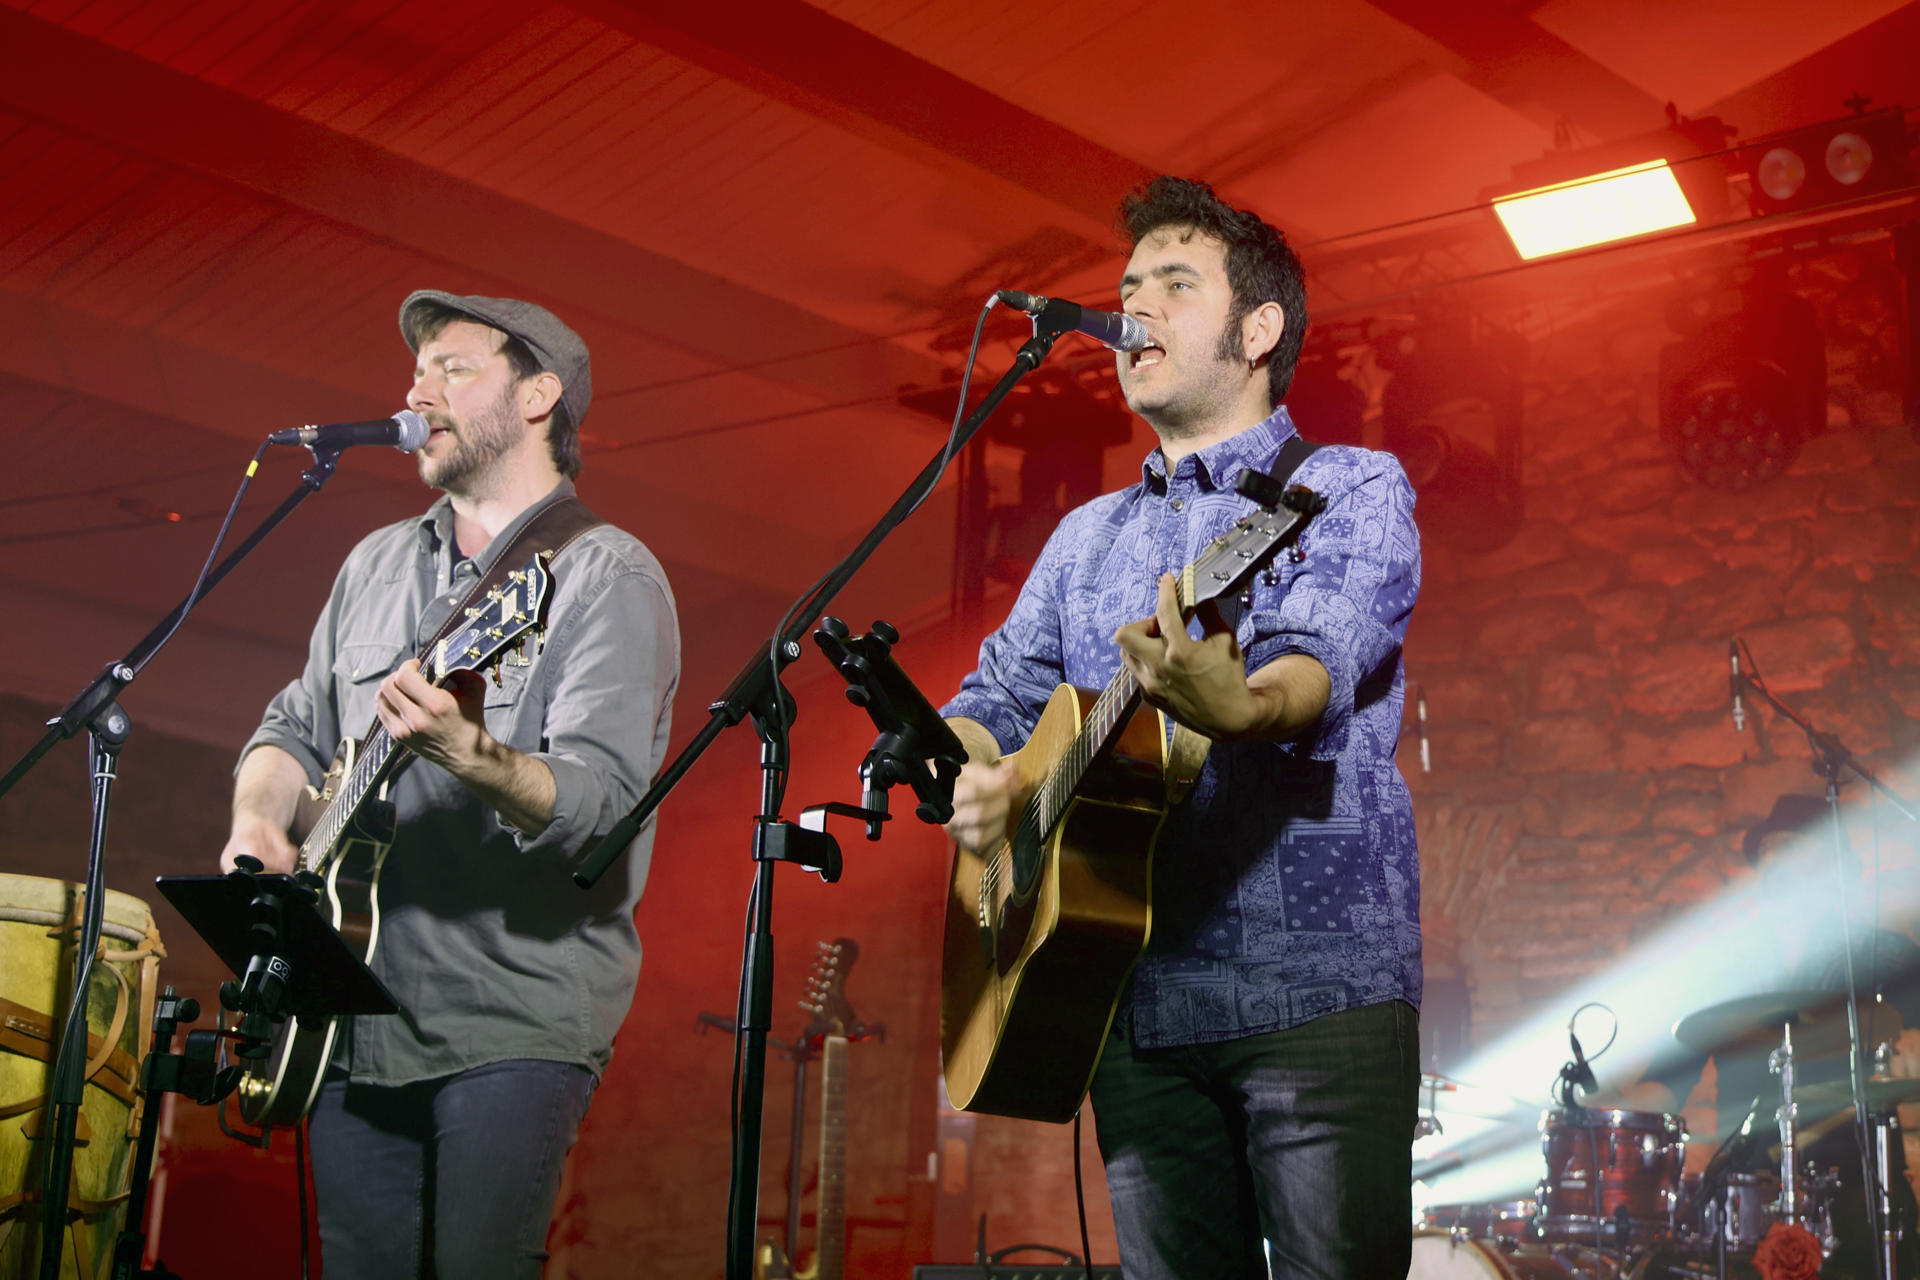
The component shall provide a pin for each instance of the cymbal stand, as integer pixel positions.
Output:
(1886, 1135)
(1780, 1062)
(1832, 758)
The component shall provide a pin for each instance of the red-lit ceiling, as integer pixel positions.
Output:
(765, 217)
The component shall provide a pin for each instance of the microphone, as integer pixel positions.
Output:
(1109, 328)
(1582, 1071)
(1734, 683)
(405, 431)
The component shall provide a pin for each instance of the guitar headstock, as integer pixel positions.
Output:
(509, 615)
(826, 998)
(1228, 563)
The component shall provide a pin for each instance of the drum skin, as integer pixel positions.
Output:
(1442, 1255)
(38, 928)
(1511, 1220)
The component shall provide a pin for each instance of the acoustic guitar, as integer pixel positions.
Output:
(1042, 933)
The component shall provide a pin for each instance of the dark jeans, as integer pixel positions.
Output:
(454, 1177)
(1302, 1137)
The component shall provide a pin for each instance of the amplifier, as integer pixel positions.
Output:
(1012, 1271)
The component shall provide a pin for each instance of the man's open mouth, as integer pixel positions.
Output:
(1146, 356)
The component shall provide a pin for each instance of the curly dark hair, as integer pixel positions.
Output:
(563, 437)
(1261, 267)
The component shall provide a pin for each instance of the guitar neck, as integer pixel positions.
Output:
(1109, 711)
(831, 1248)
(373, 763)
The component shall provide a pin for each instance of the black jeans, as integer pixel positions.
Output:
(1302, 1137)
(454, 1177)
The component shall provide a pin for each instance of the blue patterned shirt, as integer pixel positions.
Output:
(1286, 885)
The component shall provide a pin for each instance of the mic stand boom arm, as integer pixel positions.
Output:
(754, 692)
(749, 688)
(113, 679)
(96, 710)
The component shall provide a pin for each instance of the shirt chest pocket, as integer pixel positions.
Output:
(358, 669)
(507, 679)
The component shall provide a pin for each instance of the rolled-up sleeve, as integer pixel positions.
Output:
(302, 720)
(1347, 602)
(1021, 662)
(607, 677)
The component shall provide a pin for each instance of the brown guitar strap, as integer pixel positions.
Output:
(552, 530)
(1187, 751)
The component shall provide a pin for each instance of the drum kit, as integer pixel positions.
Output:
(1616, 1202)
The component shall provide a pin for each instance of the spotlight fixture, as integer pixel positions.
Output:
(1326, 407)
(1744, 386)
(1451, 413)
(1571, 200)
(1839, 160)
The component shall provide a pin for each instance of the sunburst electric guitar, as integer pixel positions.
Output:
(1042, 933)
(349, 826)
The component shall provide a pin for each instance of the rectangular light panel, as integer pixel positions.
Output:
(1594, 210)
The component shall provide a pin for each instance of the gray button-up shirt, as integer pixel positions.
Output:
(490, 948)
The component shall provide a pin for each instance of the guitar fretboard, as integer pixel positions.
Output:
(831, 1247)
(372, 762)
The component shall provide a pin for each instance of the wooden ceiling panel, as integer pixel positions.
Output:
(1708, 49)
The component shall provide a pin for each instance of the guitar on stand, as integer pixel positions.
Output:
(1041, 934)
(833, 1028)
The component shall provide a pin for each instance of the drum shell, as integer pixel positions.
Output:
(1600, 1162)
(38, 930)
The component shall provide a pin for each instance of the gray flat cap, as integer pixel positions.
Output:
(558, 348)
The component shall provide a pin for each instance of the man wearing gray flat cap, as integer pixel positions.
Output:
(439, 1133)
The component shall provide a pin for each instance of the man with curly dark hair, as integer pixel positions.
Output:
(1257, 1094)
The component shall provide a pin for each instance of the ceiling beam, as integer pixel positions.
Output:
(797, 54)
(174, 119)
(119, 365)
(1522, 65)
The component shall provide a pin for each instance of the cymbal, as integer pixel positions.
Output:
(1819, 1020)
(1881, 1094)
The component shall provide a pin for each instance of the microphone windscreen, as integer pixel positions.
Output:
(413, 431)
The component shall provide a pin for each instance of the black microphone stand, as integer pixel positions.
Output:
(97, 710)
(1831, 757)
(757, 692)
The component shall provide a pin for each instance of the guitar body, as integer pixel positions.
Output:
(1026, 1002)
(283, 1087)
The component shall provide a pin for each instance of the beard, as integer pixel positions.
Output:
(1186, 411)
(477, 450)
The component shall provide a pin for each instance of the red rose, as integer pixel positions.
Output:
(1788, 1253)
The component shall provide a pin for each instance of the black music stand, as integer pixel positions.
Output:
(324, 978)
